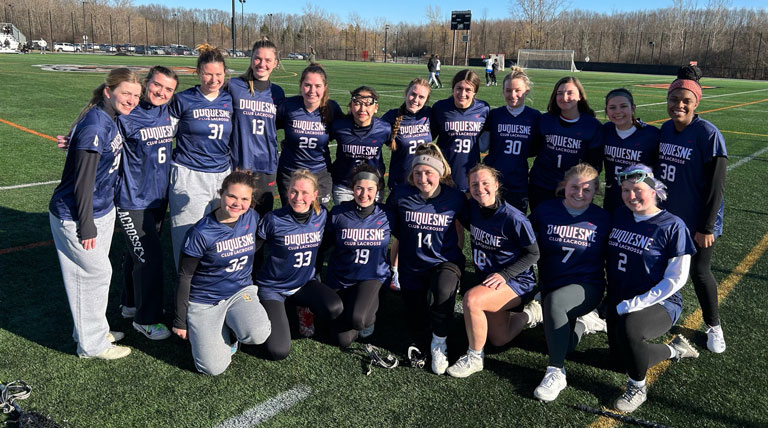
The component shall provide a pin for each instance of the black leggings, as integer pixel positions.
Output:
(433, 304)
(143, 263)
(628, 337)
(537, 195)
(318, 297)
(361, 302)
(705, 285)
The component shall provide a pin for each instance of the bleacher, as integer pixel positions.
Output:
(11, 39)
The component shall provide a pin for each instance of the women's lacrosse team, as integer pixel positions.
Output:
(570, 265)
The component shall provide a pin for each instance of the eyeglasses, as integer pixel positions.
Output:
(635, 176)
(363, 101)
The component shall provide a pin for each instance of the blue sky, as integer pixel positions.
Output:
(415, 11)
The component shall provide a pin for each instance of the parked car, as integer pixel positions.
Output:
(156, 50)
(294, 55)
(182, 50)
(63, 47)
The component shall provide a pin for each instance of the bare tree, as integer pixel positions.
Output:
(537, 13)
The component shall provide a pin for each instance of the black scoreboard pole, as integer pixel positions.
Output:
(460, 20)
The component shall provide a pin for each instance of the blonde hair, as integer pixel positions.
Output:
(431, 149)
(580, 170)
(403, 109)
(517, 73)
(264, 43)
(113, 80)
(305, 174)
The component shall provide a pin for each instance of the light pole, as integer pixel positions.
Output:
(85, 37)
(234, 37)
(242, 23)
(176, 19)
(10, 6)
(386, 29)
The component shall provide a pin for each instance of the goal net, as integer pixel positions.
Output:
(549, 59)
(499, 57)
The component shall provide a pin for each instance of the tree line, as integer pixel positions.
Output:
(725, 42)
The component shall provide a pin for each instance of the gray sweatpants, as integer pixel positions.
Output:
(560, 309)
(192, 195)
(209, 328)
(86, 275)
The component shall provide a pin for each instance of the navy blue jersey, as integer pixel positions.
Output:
(202, 136)
(145, 169)
(226, 256)
(572, 248)
(360, 245)
(682, 156)
(563, 147)
(352, 149)
(498, 241)
(292, 249)
(638, 252)
(511, 139)
(306, 137)
(640, 147)
(457, 133)
(254, 137)
(426, 229)
(95, 132)
(414, 131)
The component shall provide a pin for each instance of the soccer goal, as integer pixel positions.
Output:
(549, 59)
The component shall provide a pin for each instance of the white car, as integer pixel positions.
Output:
(63, 47)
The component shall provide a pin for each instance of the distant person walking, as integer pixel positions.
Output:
(431, 69)
(437, 71)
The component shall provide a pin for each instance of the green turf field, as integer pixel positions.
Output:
(157, 385)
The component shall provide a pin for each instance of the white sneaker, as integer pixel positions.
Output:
(715, 339)
(632, 398)
(551, 386)
(394, 283)
(153, 331)
(535, 317)
(112, 353)
(466, 365)
(593, 323)
(683, 348)
(439, 356)
(115, 336)
(127, 311)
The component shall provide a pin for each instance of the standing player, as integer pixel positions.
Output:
(293, 235)
(437, 71)
(513, 129)
(410, 129)
(216, 297)
(202, 158)
(488, 71)
(426, 211)
(649, 253)
(359, 231)
(504, 250)
(626, 140)
(572, 234)
(431, 69)
(307, 120)
(457, 123)
(142, 199)
(692, 163)
(359, 137)
(254, 135)
(82, 212)
(571, 134)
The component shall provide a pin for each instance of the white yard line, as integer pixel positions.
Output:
(21, 186)
(711, 96)
(746, 159)
(266, 410)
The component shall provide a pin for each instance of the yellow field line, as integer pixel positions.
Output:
(745, 133)
(694, 320)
